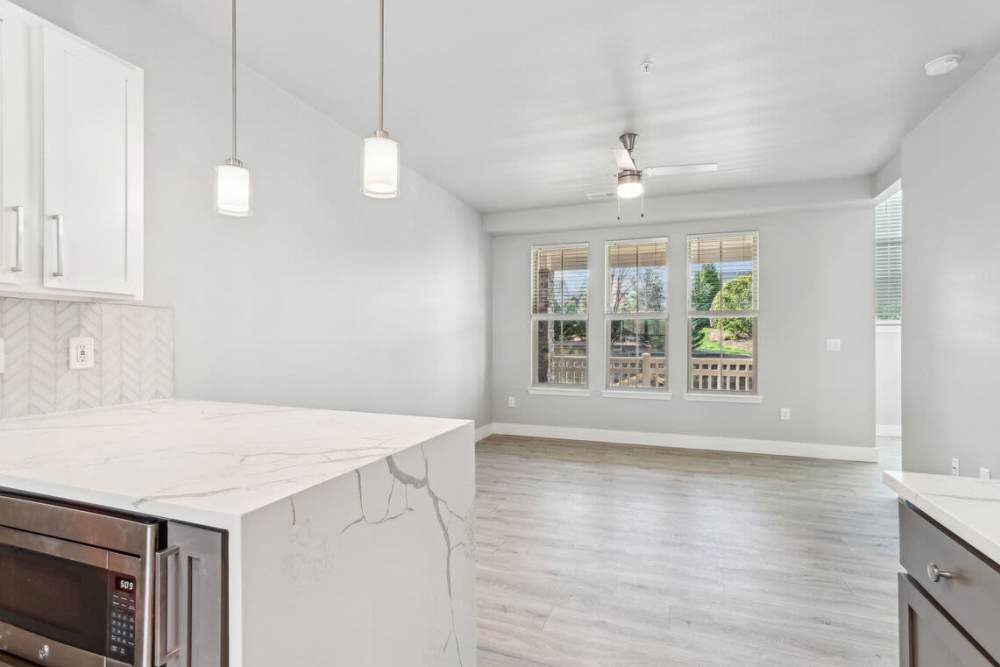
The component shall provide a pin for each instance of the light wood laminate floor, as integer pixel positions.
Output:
(597, 554)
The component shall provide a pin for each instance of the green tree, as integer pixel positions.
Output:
(736, 295)
(704, 288)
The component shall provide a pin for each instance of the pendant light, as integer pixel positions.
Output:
(380, 153)
(232, 179)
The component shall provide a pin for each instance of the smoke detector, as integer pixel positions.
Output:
(943, 65)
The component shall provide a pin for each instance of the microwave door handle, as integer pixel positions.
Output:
(165, 605)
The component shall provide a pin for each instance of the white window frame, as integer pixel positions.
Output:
(718, 395)
(609, 316)
(550, 388)
(891, 191)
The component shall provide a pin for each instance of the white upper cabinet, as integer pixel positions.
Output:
(93, 166)
(71, 164)
(15, 164)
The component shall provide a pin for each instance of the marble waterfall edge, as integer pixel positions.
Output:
(375, 568)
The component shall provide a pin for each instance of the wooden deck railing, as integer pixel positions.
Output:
(706, 373)
(722, 374)
(645, 371)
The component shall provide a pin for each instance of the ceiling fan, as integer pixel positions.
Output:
(630, 176)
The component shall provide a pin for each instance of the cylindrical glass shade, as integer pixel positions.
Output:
(233, 190)
(380, 167)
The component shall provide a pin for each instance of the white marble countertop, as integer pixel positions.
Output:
(968, 507)
(202, 462)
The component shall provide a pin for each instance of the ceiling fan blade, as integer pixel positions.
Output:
(624, 159)
(601, 196)
(679, 169)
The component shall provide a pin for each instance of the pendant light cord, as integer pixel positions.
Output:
(381, 62)
(234, 79)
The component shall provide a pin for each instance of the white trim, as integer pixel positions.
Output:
(484, 431)
(889, 431)
(723, 397)
(867, 454)
(558, 391)
(888, 326)
(645, 395)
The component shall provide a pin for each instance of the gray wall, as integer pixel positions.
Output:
(951, 288)
(323, 298)
(816, 282)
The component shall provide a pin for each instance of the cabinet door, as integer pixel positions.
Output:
(15, 63)
(928, 637)
(93, 152)
(194, 632)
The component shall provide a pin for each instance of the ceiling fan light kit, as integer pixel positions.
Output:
(630, 185)
(630, 176)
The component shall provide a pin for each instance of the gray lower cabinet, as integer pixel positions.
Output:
(949, 598)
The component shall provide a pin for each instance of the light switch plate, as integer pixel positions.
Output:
(785, 414)
(81, 353)
(833, 345)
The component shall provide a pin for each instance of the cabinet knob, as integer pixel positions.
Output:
(935, 573)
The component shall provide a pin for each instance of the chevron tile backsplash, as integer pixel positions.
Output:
(133, 355)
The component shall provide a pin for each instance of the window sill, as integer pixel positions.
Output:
(558, 391)
(642, 395)
(724, 398)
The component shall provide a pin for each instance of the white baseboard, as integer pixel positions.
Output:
(681, 441)
(484, 431)
(889, 431)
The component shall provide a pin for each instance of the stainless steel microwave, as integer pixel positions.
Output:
(85, 587)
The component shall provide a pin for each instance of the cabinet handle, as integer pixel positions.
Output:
(165, 606)
(59, 245)
(935, 573)
(19, 239)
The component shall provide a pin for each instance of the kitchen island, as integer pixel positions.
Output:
(349, 534)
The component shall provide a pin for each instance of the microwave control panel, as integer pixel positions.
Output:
(121, 639)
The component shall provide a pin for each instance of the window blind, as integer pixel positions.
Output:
(714, 261)
(637, 276)
(889, 258)
(559, 278)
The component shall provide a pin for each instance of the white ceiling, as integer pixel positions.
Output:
(504, 102)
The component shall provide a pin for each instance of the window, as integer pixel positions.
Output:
(722, 313)
(559, 282)
(889, 259)
(636, 314)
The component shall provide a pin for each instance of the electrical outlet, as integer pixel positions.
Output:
(81, 353)
(954, 466)
(3, 357)
(833, 345)
(786, 414)
(984, 473)
(511, 402)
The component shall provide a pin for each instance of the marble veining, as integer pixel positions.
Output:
(378, 562)
(963, 505)
(443, 513)
(198, 461)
